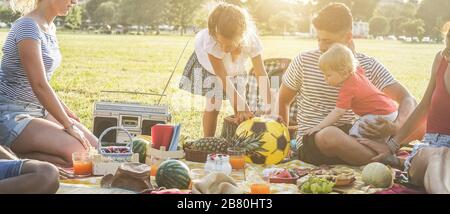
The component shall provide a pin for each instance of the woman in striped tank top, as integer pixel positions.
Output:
(429, 163)
(34, 122)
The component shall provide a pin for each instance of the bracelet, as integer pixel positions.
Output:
(393, 145)
(72, 126)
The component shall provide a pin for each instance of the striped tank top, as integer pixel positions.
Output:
(14, 84)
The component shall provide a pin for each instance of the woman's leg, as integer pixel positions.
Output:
(430, 168)
(88, 134)
(58, 161)
(45, 137)
(210, 115)
(35, 177)
(437, 175)
(419, 165)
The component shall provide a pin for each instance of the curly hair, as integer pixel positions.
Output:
(23, 6)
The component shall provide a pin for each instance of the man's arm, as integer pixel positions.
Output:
(407, 103)
(383, 79)
(285, 98)
(382, 127)
(291, 83)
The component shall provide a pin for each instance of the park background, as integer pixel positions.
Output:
(133, 45)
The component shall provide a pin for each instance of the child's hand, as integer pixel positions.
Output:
(243, 116)
(312, 131)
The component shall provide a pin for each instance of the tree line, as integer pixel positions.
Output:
(411, 18)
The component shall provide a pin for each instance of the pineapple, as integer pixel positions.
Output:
(249, 144)
(208, 144)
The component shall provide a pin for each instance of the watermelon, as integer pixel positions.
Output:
(140, 146)
(173, 174)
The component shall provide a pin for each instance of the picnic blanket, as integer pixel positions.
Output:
(252, 171)
(92, 184)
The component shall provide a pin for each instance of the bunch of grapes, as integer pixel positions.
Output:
(316, 185)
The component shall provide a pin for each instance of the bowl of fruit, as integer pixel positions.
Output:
(283, 176)
(118, 150)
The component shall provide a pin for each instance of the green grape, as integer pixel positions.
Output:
(317, 186)
(306, 187)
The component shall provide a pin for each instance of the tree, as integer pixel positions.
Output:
(434, 13)
(397, 14)
(379, 26)
(7, 15)
(361, 9)
(92, 5)
(74, 19)
(408, 10)
(262, 10)
(180, 13)
(142, 12)
(390, 10)
(104, 13)
(414, 28)
(200, 19)
(364, 9)
(396, 24)
(282, 22)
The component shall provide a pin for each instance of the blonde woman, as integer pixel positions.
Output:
(34, 122)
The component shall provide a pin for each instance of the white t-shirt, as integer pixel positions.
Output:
(206, 44)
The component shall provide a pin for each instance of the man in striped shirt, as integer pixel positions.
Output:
(315, 99)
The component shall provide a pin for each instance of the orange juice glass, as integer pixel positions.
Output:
(260, 188)
(237, 158)
(154, 170)
(82, 163)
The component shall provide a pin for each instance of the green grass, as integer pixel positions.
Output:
(92, 63)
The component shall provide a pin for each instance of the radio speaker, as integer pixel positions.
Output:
(101, 124)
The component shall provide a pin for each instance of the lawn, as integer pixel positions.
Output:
(93, 63)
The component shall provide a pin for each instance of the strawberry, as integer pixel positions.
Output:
(284, 174)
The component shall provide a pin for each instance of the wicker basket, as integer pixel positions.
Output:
(195, 155)
(229, 127)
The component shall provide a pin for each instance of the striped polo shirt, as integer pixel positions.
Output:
(316, 99)
(14, 83)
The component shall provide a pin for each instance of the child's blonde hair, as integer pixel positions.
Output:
(339, 58)
(23, 6)
(230, 21)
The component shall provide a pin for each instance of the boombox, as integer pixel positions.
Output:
(137, 119)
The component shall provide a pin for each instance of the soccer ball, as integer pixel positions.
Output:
(275, 137)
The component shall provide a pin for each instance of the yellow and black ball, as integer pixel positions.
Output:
(275, 137)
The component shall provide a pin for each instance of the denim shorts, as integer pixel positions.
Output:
(10, 168)
(14, 117)
(429, 141)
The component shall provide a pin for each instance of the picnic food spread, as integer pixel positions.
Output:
(254, 138)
